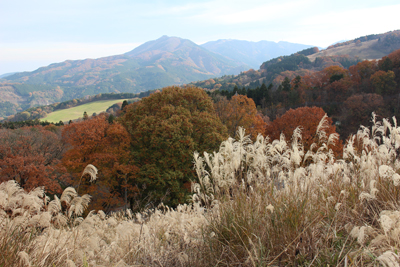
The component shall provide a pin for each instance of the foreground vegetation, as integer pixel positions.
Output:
(255, 203)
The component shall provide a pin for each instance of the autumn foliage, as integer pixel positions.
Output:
(106, 146)
(165, 129)
(240, 111)
(30, 156)
(308, 118)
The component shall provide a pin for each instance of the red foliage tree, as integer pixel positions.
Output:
(30, 155)
(308, 119)
(106, 146)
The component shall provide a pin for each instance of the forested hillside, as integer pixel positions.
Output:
(347, 95)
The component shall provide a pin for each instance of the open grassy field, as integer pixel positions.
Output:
(77, 112)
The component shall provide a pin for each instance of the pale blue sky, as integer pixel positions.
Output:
(35, 33)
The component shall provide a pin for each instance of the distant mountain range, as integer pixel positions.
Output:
(154, 64)
(253, 53)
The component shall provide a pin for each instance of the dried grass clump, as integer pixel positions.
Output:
(36, 232)
(281, 205)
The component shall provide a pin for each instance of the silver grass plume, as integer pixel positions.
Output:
(78, 205)
(92, 171)
(322, 125)
(68, 194)
(389, 259)
(54, 207)
(70, 263)
(24, 258)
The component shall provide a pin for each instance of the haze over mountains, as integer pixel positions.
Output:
(253, 53)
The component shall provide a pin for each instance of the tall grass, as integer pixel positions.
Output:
(280, 205)
(256, 203)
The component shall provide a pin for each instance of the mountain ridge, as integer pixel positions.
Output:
(253, 53)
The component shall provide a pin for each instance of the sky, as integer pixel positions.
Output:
(36, 33)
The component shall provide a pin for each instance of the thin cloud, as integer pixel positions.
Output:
(246, 12)
(350, 24)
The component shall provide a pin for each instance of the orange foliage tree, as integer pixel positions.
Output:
(333, 73)
(240, 111)
(30, 155)
(166, 128)
(106, 146)
(308, 119)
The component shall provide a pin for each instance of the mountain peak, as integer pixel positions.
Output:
(163, 44)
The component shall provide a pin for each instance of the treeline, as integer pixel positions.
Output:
(27, 123)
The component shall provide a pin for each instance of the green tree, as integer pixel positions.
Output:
(286, 85)
(166, 128)
(124, 104)
(111, 118)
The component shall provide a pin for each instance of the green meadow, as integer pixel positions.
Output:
(77, 112)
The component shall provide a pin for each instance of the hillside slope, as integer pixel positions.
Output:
(374, 46)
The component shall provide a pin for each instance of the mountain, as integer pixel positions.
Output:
(309, 61)
(6, 74)
(155, 64)
(182, 52)
(252, 53)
